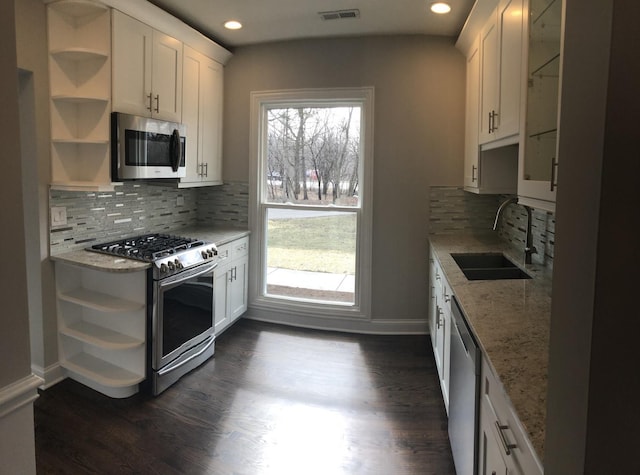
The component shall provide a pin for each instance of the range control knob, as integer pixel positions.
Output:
(171, 265)
(163, 268)
(178, 264)
(210, 252)
(204, 255)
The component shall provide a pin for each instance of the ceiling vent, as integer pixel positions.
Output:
(340, 14)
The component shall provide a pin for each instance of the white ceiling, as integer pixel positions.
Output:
(274, 20)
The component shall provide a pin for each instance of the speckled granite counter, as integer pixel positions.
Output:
(104, 262)
(511, 320)
(216, 235)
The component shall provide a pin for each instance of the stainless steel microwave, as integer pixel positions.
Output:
(144, 148)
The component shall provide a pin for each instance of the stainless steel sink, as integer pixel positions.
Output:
(491, 266)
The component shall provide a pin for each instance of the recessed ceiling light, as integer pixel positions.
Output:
(440, 7)
(232, 25)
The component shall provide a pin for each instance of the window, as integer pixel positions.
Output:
(311, 169)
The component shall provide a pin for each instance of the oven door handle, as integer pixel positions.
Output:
(184, 276)
(177, 364)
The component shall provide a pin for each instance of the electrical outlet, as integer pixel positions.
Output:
(180, 201)
(58, 216)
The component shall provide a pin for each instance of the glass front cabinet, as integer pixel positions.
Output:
(538, 159)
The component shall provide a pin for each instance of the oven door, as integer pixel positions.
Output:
(148, 148)
(183, 315)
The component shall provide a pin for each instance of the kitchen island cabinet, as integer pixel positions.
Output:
(510, 320)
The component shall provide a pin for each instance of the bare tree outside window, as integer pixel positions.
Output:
(313, 155)
(311, 194)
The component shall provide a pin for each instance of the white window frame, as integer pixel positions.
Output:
(258, 301)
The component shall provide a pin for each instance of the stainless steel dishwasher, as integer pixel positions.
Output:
(464, 399)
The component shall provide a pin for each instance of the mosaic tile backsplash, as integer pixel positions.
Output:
(139, 208)
(453, 210)
(226, 205)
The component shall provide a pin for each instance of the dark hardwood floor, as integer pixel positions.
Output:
(274, 400)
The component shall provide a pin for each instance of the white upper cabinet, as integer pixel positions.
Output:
(471, 118)
(538, 167)
(166, 78)
(501, 73)
(147, 70)
(202, 114)
(491, 170)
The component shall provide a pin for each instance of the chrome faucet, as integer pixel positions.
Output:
(529, 248)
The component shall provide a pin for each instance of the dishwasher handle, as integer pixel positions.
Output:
(466, 336)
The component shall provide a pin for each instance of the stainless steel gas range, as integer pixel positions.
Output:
(180, 302)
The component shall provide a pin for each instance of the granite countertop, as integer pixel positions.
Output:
(105, 262)
(511, 321)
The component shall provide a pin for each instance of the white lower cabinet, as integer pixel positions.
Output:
(504, 446)
(231, 283)
(440, 319)
(102, 328)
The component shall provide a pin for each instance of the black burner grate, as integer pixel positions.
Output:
(147, 247)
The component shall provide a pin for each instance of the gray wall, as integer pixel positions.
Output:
(32, 60)
(418, 130)
(14, 337)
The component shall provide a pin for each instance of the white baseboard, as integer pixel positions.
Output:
(50, 375)
(379, 326)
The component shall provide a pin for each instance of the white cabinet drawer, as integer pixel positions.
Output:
(497, 412)
(240, 248)
(234, 249)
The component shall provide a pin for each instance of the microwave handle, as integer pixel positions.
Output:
(175, 150)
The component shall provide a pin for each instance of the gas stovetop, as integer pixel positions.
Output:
(169, 254)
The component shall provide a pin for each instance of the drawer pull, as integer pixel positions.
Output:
(506, 445)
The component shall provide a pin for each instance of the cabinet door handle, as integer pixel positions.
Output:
(554, 167)
(438, 321)
(157, 102)
(492, 122)
(447, 298)
(149, 97)
(206, 169)
(473, 173)
(506, 445)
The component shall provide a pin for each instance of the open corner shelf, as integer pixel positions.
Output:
(100, 371)
(101, 337)
(99, 301)
(78, 8)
